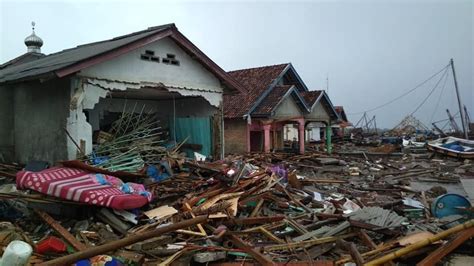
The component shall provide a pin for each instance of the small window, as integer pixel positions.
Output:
(170, 60)
(150, 56)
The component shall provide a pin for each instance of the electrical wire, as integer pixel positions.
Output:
(439, 98)
(431, 92)
(404, 94)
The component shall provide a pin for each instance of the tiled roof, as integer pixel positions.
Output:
(310, 97)
(272, 100)
(256, 81)
(340, 111)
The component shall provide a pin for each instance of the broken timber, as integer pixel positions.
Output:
(110, 246)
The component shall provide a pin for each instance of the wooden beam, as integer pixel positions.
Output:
(422, 243)
(117, 244)
(447, 248)
(366, 239)
(58, 228)
(352, 249)
(262, 259)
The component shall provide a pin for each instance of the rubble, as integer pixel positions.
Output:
(267, 208)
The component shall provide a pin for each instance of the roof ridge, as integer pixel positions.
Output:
(16, 59)
(267, 66)
(149, 29)
(309, 91)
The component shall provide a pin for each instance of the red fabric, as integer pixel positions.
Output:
(77, 185)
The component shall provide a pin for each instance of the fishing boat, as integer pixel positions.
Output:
(454, 147)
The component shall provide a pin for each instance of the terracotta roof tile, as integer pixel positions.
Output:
(310, 97)
(272, 99)
(340, 111)
(256, 81)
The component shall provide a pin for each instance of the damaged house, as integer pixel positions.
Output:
(339, 129)
(52, 105)
(275, 103)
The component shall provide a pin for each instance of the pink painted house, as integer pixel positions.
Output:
(275, 96)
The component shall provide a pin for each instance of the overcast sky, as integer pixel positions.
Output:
(372, 51)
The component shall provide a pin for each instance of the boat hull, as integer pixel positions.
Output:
(437, 146)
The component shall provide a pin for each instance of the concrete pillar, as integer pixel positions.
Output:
(328, 137)
(301, 136)
(266, 138)
(248, 137)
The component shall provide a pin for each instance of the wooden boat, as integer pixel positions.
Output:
(454, 147)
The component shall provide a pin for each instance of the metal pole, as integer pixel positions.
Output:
(461, 111)
(375, 125)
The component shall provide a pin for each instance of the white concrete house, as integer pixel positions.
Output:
(78, 90)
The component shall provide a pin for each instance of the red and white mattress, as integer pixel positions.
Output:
(82, 186)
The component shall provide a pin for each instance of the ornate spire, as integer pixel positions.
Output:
(33, 42)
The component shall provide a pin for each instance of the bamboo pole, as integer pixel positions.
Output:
(420, 244)
(367, 254)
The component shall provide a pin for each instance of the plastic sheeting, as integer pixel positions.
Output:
(199, 131)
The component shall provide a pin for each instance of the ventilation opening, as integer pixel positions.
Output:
(170, 60)
(150, 56)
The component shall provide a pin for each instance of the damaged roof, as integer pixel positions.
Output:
(71, 60)
(342, 114)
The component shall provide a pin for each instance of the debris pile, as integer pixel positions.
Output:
(256, 208)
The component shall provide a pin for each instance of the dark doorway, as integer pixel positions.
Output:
(256, 140)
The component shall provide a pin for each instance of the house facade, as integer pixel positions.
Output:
(50, 104)
(275, 100)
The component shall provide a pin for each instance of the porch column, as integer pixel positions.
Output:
(266, 138)
(248, 138)
(328, 137)
(301, 136)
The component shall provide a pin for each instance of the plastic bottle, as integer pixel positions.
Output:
(17, 253)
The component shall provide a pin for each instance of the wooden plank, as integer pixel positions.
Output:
(351, 247)
(128, 240)
(262, 259)
(58, 228)
(367, 239)
(447, 248)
